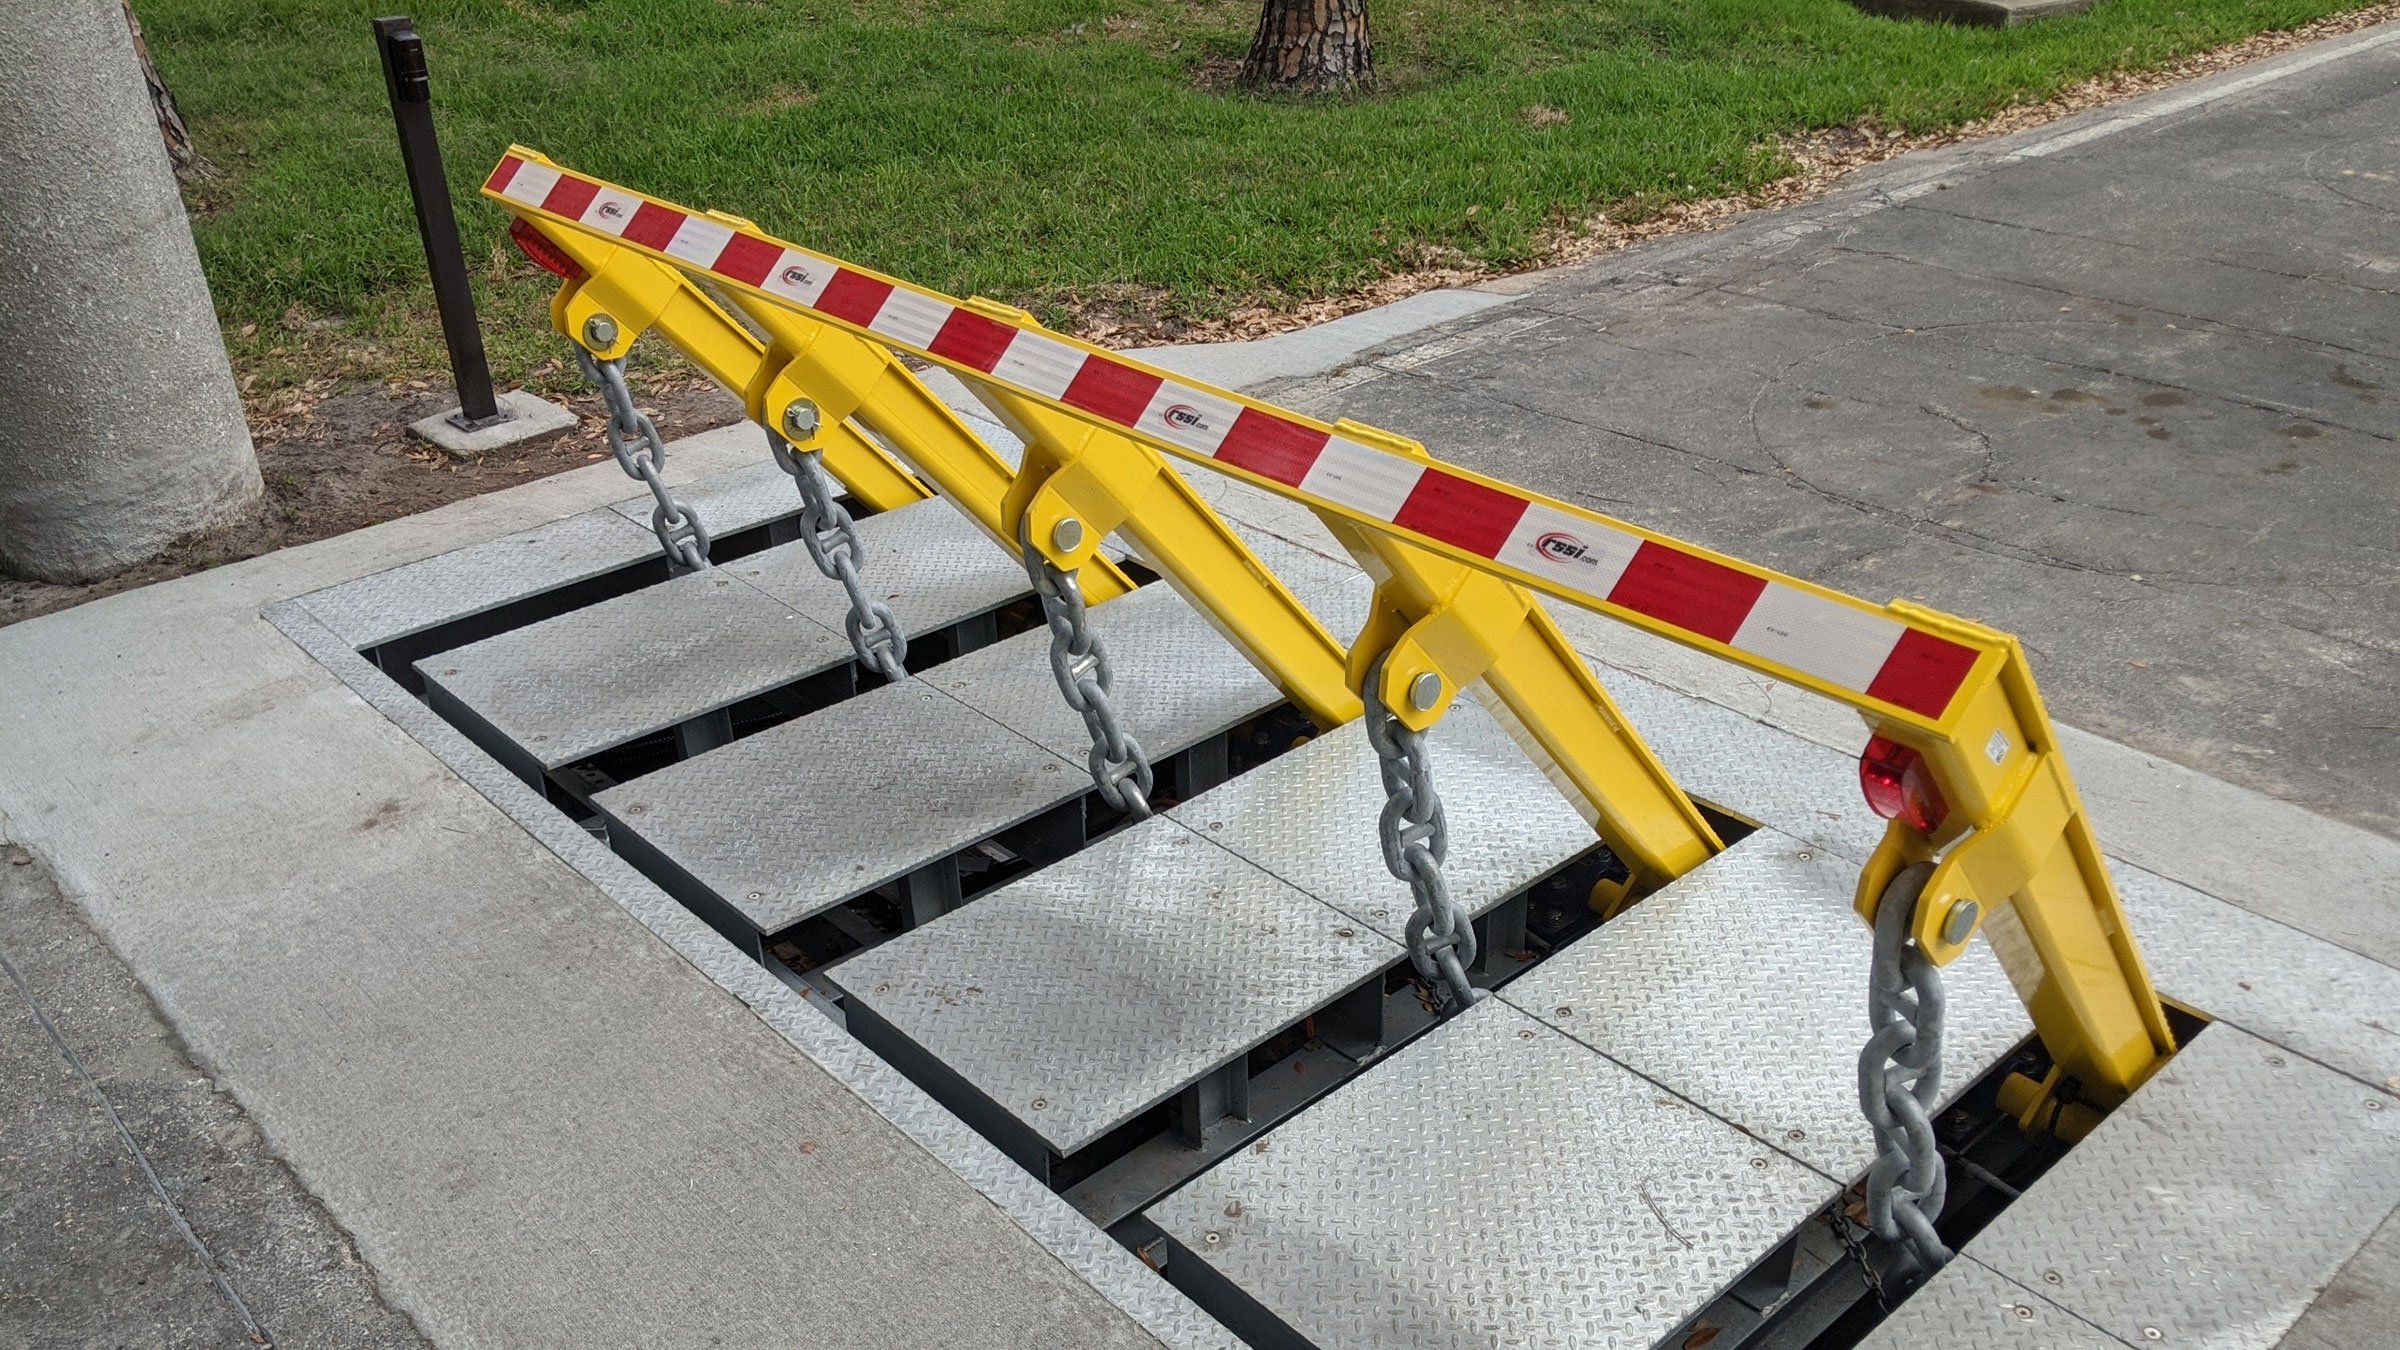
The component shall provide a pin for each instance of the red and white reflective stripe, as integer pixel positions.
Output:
(1847, 645)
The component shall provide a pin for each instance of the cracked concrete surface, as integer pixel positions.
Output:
(139, 1205)
(2131, 400)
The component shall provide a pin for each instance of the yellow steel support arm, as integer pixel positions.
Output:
(633, 293)
(1441, 618)
(1965, 758)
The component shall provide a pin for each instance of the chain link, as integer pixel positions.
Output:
(1416, 838)
(1900, 1079)
(831, 538)
(1079, 660)
(1849, 1232)
(642, 454)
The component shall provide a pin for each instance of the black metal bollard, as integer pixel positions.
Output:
(411, 92)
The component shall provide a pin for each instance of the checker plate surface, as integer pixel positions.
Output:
(1177, 681)
(800, 817)
(608, 673)
(2329, 1003)
(1770, 775)
(420, 595)
(2214, 1204)
(1494, 1184)
(1967, 1307)
(1101, 985)
(931, 564)
(1742, 985)
(1309, 817)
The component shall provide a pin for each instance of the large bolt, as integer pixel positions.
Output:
(801, 420)
(600, 331)
(1067, 535)
(1960, 921)
(1425, 691)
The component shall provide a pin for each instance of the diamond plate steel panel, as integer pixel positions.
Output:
(932, 565)
(1177, 681)
(1966, 1307)
(800, 817)
(1794, 785)
(727, 502)
(1085, 993)
(1303, 571)
(2211, 1207)
(1742, 985)
(1412, 1207)
(1309, 817)
(606, 674)
(420, 595)
(2326, 1002)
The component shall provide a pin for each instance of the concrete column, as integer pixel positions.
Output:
(120, 430)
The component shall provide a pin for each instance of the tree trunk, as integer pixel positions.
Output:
(124, 431)
(188, 162)
(1314, 46)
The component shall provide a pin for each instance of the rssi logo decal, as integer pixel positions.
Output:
(1184, 417)
(1559, 546)
(612, 210)
(795, 276)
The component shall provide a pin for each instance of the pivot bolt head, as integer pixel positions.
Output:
(600, 331)
(1067, 535)
(1960, 921)
(801, 420)
(1425, 691)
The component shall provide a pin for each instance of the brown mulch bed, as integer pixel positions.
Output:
(334, 462)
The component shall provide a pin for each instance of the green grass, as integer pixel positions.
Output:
(1047, 152)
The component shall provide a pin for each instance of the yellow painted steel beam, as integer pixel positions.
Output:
(636, 293)
(2014, 850)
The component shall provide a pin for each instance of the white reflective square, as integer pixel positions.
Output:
(1040, 364)
(799, 276)
(1185, 416)
(532, 184)
(1582, 555)
(1834, 642)
(699, 240)
(611, 210)
(911, 318)
(1362, 479)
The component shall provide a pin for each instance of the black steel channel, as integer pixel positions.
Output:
(411, 91)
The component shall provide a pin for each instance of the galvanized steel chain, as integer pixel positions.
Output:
(831, 538)
(642, 454)
(1416, 838)
(1900, 1078)
(1079, 660)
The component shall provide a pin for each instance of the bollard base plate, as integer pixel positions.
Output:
(525, 417)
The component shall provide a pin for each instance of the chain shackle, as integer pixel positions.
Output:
(1416, 838)
(831, 538)
(1900, 1079)
(642, 453)
(1079, 662)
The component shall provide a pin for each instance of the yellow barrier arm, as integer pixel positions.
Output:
(1964, 760)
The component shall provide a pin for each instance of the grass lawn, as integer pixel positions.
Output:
(1054, 153)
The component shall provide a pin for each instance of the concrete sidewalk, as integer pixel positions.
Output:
(2115, 385)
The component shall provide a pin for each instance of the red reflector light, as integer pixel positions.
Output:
(550, 256)
(1899, 785)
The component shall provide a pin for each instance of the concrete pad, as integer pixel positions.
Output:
(526, 417)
